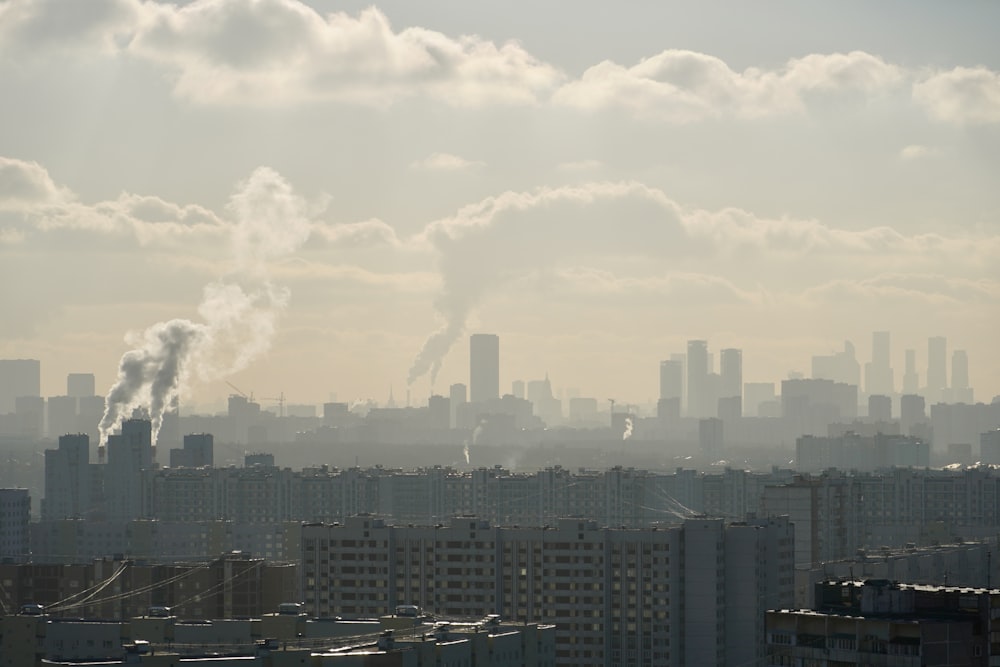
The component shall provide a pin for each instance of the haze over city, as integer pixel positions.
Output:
(335, 196)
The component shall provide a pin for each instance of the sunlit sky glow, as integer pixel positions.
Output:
(594, 182)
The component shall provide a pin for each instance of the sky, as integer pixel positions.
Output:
(324, 199)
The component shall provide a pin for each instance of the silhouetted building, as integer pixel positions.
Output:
(484, 367)
(879, 408)
(129, 453)
(457, 395)
(68, 480)
(960, 391)
(80, 385)
(15, 515)
(710, 438)
(672, 379)
(755, 394)
(731, 372)
(878, 372)
(989, 447)
(198, 451)
(937, 368)
(911, 380)
(18, 377)
(839, 366)
(439, 412)
(699, 399)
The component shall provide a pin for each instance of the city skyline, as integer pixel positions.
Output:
(304, 199)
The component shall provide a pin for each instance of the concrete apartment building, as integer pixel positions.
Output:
(160, 639)
(878, 622)
(681, 594)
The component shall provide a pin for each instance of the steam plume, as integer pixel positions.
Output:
(239, 314)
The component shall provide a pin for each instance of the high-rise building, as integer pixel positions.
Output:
(517, 389)
(68, 479)
(699, 404)
(937, 368)
(198, 451)
(129, 453)
(61, 415)
(839, 366)
(912, 412)
(961, 392)
(80, 385)
(731, 370)
(693, 593)
(18, 378)
(878, 372)
(439, 412)
(671, 379)
(911, 381)
(879, 408)
(15, 514)
(484, 367)
(457, 395)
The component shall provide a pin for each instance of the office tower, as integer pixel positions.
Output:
(198, 451)
(18, 377)
(61, 415)
(878, 372)
(989, 447)
(697, 379)
(710, 438)
(911, 381)
(937, 371)
(517, 388)
(755, 394)
(15, 514)
(67, 479)
(129, 453)
(439, 412)
(912, 412)
(671, 379)
(484, 367)
(731, 370)
(961, 392)
(839, 366)
(879, 408)
(457, 395)
(80, 385)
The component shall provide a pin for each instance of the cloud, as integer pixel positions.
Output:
(487, 246)
(445, 162)
(30, 29)
(281, 51)
(963, 95)
(367, 233)
(686, 86)
(27, 184)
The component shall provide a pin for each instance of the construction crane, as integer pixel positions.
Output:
(281, 403)
(240, 391)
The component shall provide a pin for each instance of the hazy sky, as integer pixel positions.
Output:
(322, 188)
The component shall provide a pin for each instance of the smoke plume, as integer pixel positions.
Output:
(239, 313)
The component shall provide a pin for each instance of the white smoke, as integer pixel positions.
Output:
(628, 429)
(239, 313)
(465, 450)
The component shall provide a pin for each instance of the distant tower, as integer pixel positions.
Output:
(19, 378)
(961, 392)
(878, 372)
(80, 385)
(484, 367)
(697, 379)
(911, 381)
(937, 368)
(129, 453)
(731, 370)
(457, 395)
(912, 412)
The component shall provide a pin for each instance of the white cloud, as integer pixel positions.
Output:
(280, 51)
(34, 28)
(446, 162)
(685, 86)
(963, 95)
(25, 184)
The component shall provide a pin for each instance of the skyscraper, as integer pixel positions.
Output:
(937, 368)
(18, 378)
(484, 367)
(878, 372)
(731, 369)
(457, 395)
(700, 403)
(911, 381)
(80, 385)
(671, 379)
(961, 392)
